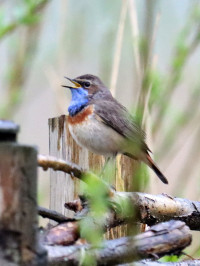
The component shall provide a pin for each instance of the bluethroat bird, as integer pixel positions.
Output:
(100, 123)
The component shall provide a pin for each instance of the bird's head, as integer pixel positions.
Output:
(85, 88)
(86, 85)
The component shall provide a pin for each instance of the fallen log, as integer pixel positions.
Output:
(164, 238)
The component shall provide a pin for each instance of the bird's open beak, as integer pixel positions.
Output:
(77, 85)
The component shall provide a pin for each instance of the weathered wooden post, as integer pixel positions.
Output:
(63, 188)
(18, 201)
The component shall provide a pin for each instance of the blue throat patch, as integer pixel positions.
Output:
(79, 100)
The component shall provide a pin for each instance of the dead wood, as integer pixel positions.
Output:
(64, 234)
(75, 205)
(157, 263)
(165, 238)
(53, 215)
(18, 203)
(51, 162)
(152, 208)
(159, 208)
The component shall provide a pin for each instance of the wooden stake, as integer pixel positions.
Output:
(64, 188)
(18, 204)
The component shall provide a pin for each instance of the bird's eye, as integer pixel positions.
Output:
(87, 84)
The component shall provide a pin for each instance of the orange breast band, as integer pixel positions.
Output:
(82, 116)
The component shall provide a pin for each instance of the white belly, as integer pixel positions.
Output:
(97, 137)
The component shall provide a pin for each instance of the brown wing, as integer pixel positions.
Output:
(116, 116)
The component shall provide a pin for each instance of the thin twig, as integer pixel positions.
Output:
(15, 24)
(146, 55)
(189, 165)
(185, 120)
(135, 34)
(181, 54)
(21, 57)
(53, 215)
(118, 47)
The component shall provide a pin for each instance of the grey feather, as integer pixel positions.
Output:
(116, 116)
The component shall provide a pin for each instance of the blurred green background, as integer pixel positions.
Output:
(146, 51)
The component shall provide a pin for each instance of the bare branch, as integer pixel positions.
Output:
(51, 162)
(47, 162)
(170, 237)
(53, 215)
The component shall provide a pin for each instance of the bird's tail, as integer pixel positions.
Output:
(148, 160)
